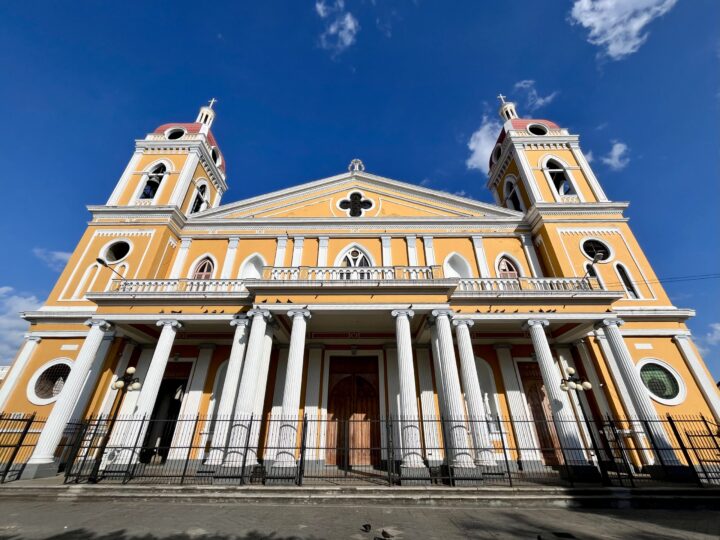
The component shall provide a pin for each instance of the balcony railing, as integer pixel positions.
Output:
(387, 276)
(333, 273)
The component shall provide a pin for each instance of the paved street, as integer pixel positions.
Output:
(143, 520)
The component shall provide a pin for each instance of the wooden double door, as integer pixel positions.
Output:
(353, 431)
(541, 412)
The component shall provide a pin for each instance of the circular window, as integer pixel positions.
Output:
(117, 251)
(596, 250)
(496, 153)
(537, 129)
(46, 384)
(216, 156)
(175, 133)
(663, 382)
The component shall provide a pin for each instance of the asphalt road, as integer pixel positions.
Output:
(142, 520)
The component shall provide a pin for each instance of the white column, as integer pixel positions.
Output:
(88, 387)
(298, 243)
(408, 398)
(18, 367)
(386, 250)
(430, 417)
(412, 250)
(111, 394)
(525, 440)
(455, 425)
(154, 376)
(591, 372)
(260, 393)
(184, 178)
(230, 258)
(293, 385)
(638, 393)
(49, 439)
(435, 348)
(280, 251)
(429, 250)
(559, 403)
(313, 400)
(180, 258)
(706, 385)
(480, 257)
(228, 395)
(245, 404)
(473, 394)
(322, 250)
(531, 255)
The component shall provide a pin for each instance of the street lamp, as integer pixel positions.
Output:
(127, 383)
(103, 262)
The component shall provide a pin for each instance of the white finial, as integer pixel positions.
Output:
(501, 98)
(356, 165)
(507, 109)
(212, 102)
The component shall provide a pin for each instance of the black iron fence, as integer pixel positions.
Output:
(394, 451)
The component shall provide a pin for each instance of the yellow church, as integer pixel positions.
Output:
(361, 328)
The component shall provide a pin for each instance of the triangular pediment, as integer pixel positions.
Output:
(353, 193)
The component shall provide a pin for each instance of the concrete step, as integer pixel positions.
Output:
(698, 498)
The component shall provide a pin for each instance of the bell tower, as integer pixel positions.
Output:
(536, 161)
(177, 165)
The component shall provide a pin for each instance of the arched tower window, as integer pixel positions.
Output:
(200, 202)
(152, 184)
(204, 269)
(559, 178)
(252, 268)
(355, 259)
(512, 196)
(507, 269)
(455, 266)
(627, 282)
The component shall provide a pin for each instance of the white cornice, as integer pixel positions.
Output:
(649, 312)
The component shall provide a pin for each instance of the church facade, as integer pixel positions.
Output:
(361, 297)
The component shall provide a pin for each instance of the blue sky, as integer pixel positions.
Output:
(303, 87)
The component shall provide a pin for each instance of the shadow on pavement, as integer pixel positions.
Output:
(84, 534)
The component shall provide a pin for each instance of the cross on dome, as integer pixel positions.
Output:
(356, 165)
(501, 98)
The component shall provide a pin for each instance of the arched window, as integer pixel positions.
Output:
(87, 281)
(591, 272)
(204, 269)
(489, 393)
(355, 259)
(507, 269)
(200, 202)
(627, 282)
(152, 184)
(559, 178)
(455, 266)
(512, 196)
(252, 268)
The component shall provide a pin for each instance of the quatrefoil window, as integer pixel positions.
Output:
(355, 204)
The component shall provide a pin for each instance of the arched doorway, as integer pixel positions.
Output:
(353, 431)
(541, 412)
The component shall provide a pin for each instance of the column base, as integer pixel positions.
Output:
(282, 474)
(466, 476)
(581, 473)
(414, 476)
(40, 470)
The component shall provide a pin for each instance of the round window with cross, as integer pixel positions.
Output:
(355, 204)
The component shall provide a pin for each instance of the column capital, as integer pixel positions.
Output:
(177, 325)
(100, 323)
(681, 337)
(609, 322)
(535, 322)
(442, 313)
(233, 242)
(257, 312)
(463, 322)
(240, 320)
(409, 313)
(30, 337)
(185, 242)
(304, 313)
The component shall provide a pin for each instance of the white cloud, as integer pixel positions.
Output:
(481, 144)
(12, 327)
(617, 159)
(56, 260)
(713, 336)
(533, 100)
(589, 156)
(618, 25)
(341, 27)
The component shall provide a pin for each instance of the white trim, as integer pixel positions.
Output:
(193, 265)
(411, 241)
(86, 283)
(633, 283)
(30, 389)
(198, 182)
(280, 251)
(518, 266)
(322, 250)
(589, 174)
(127, 174)
(386, 250)
(350, 247)
(611, 251)
(682, 389)
(169, 169)
(531, 255)
(247, 260)
(429, 250)
(180, 258)
(230, 255)
(463, 260)
(174, 128)
(184, 179)
(542, 162)
(106, 246)
(480, 258)
(298, 243)
(526, 173)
